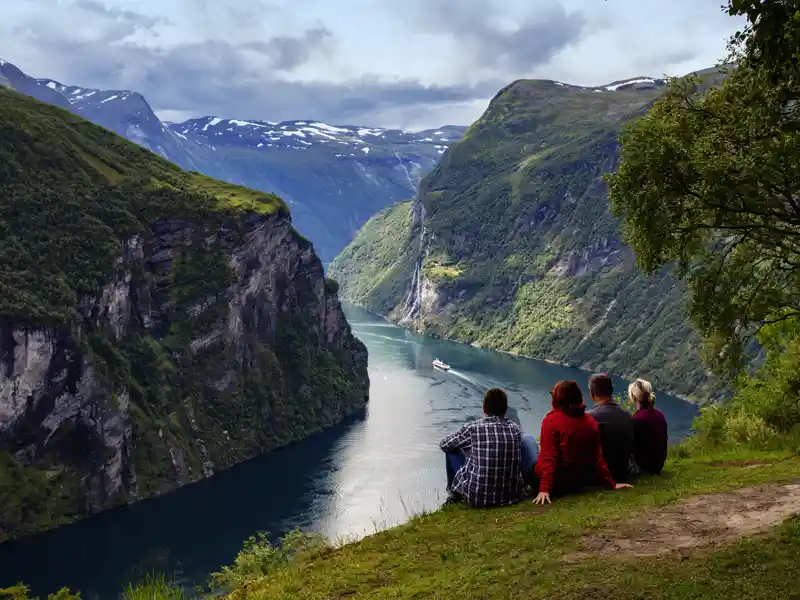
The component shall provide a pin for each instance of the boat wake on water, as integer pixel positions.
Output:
(468, 379)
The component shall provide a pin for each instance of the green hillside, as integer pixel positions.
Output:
(142, 320)
(518, 249)
(71, 192)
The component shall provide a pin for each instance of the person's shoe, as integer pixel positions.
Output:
(452, 498)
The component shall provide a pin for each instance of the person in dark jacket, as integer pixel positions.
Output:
(650, 436)
(616, 427)
(571, 456)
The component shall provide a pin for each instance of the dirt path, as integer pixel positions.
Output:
(699, 521)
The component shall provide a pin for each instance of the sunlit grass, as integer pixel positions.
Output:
(154, 587)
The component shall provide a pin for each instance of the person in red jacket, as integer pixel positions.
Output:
(571, 456)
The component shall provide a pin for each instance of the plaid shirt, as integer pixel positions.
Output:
(491, 474)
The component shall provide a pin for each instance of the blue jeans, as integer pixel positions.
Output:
(530, 454)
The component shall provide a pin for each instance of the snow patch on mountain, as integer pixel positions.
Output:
(300, 135)
(647, 81)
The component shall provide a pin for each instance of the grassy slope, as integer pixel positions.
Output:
(375, 266)
(71, 191)
(522, 249)
(517, 552)
(91, 150)
(71, 195)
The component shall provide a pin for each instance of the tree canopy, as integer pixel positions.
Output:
(711, 181)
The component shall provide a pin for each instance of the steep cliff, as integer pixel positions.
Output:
(510, 243)
(156, 326)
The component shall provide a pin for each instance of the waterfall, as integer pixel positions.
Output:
(408, 175)
(413, 301)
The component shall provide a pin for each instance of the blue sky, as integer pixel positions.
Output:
(395, 63)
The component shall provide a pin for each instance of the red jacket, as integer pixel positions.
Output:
(571, 454)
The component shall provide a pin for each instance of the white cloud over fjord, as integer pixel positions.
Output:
(412, 64)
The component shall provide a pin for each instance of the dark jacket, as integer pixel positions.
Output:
(616, 435)
(650, 440)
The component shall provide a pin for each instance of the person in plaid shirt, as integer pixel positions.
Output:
(484, 458)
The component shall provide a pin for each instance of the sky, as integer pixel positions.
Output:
(387, 63)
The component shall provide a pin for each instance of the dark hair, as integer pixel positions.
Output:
(495, 403)
(600, 385)
(568, 398)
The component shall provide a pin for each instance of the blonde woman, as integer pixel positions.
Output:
(649, 429)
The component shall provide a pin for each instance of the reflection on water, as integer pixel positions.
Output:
(371, 472)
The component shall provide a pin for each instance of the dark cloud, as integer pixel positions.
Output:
(362, 102)
(288, 53)
(223, 77)
(477, 28)
(133, 19)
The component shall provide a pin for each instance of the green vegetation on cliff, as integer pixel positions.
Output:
(376, 265)
(147, 338)
(519, 250)
(71, 193)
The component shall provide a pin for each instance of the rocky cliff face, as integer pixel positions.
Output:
(152, 331)
(510, 244)
(57, 406)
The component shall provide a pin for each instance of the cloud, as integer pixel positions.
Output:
(287, 53)
(361, 102)
(439, 61)
(133, 19)
(487, 38)
(245, 79)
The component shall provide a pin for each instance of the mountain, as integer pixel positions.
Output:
(509, 243)
(333, 177)
(14, 78)
(156, 326)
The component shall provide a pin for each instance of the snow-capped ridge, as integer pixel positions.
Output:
(636, 83)
(302, 134)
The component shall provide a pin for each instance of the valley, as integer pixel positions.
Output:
(352, 353)
(371, 472)
(510, 244)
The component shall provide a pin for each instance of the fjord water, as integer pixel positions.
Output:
(369, 473)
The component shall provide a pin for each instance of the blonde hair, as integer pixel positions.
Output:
(641, 391)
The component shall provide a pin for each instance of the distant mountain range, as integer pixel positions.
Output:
(334, 178)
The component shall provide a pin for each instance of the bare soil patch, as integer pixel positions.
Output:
(712, 519)
(743, 462)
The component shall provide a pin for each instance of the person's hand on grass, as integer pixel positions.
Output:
(542, 498)
(622, 486)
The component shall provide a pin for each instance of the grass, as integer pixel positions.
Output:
(521, 551)
(154, 587)
(236, 196)
(761, 567)
(517, 552)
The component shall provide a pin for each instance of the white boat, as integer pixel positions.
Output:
(440, 365)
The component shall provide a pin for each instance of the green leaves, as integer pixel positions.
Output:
(710, 182)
